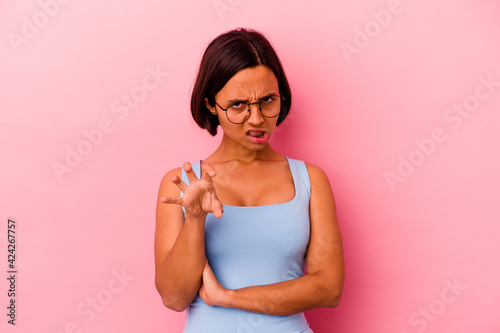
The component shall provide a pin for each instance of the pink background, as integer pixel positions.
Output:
(417, 218)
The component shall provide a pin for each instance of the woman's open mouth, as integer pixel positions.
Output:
(258, 136)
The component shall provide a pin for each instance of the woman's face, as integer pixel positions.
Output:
(248, 85)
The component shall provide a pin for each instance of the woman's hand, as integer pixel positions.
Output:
(211, 291)
(199, 197)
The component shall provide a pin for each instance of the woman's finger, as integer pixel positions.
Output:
(188, 168)
(208, 172)
(217, 206)
(171, 200)
(218, 210)
(179, 182)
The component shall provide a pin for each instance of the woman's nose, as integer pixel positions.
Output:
(255, 115)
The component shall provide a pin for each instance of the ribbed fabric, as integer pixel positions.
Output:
(251, 246)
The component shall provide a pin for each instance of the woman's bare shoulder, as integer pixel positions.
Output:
(314, 170)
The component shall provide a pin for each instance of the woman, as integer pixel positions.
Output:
(235, 230)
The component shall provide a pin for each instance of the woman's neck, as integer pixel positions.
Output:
(232, 150)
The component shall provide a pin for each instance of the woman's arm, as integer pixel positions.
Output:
(321, 287)
(179, 249)
(180, 242)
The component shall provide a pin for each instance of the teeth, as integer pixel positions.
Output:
(256, 133)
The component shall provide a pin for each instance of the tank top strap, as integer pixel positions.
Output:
(300, 177)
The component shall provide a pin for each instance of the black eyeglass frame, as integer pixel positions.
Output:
(281, 97)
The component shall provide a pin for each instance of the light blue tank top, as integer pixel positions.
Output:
(251, 246)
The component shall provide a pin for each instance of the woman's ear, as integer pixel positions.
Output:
(210, 108)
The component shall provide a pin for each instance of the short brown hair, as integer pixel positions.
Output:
(226, 55)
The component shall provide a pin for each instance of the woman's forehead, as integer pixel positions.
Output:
(251, 81)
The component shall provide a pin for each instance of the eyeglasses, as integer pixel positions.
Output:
(238, 112)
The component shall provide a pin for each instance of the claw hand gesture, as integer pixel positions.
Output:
(199, 197)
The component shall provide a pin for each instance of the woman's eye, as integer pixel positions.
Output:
(268, 99)
(237, 106)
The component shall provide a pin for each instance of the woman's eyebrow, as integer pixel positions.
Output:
(234, 100)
